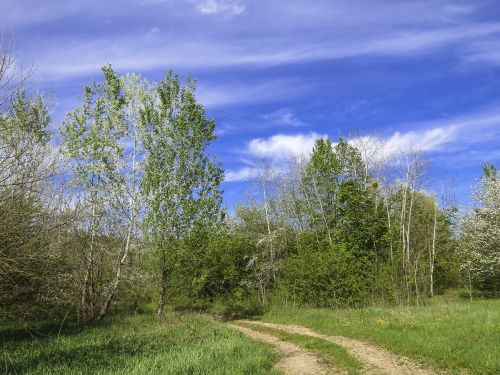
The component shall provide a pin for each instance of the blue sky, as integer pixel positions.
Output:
(277, 74)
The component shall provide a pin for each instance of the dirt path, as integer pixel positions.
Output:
(376, 360)
(293, 359)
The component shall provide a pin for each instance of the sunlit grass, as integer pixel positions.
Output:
(452, 335)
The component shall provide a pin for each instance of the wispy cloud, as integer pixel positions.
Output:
(441, 136)
(424, 140)
(487, 52)
(284, 116)
(139, 52)
(243, 174)
(230, 93)
(264, 34)
(220, 6)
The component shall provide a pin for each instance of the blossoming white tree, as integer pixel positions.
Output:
(481, 232)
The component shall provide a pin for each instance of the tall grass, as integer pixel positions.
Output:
(185, 344)
(446, 334)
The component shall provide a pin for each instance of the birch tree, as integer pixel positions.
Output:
(90, 141)
(126, 195)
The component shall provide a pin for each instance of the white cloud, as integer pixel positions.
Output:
(449, 136)
(284, 116)
(427, 140)
(220, 6)
(444, 136)
(281, 146)
(243, 174)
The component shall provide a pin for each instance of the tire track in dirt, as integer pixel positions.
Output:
(293, 360)
(376, 360)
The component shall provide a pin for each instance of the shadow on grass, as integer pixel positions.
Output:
(100, 356)
(478, 294)
(224, 310)
(40, 331)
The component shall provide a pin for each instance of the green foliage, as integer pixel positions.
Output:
(362, 222)
(231, 310)
(184, 344)
(91, 134)
(181, 181)
(25, 116)
(332, 277)
(30, 239)
(211, 266)
(338, 261)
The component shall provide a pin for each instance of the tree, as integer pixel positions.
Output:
(90, 141)
(181, 183)
(29, 221)
(26, 158)
(480, 232)
(320, 185)
(126, 194)
(11, 82)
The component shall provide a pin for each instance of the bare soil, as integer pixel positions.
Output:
(375, 359)
(293, 360)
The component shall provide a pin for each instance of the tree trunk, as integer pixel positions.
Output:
(161, 300)
(268, 224)
(415, 275)
(323, 214)
(263, 292)
(433, 254)
(470, 282)
(391, 254)
(408, 228)
(86, 305)
(116, 281)
(133, 213)
(402, 226)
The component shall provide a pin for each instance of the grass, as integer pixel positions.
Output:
(184, 344)
(446, 334)
(334, 354)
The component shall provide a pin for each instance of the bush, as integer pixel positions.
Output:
(237, 310)
(334, 277)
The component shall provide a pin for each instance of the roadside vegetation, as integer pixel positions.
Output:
(183, 344)
(448, 333)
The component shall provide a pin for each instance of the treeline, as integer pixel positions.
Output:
(328, 232)
(121, 208)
